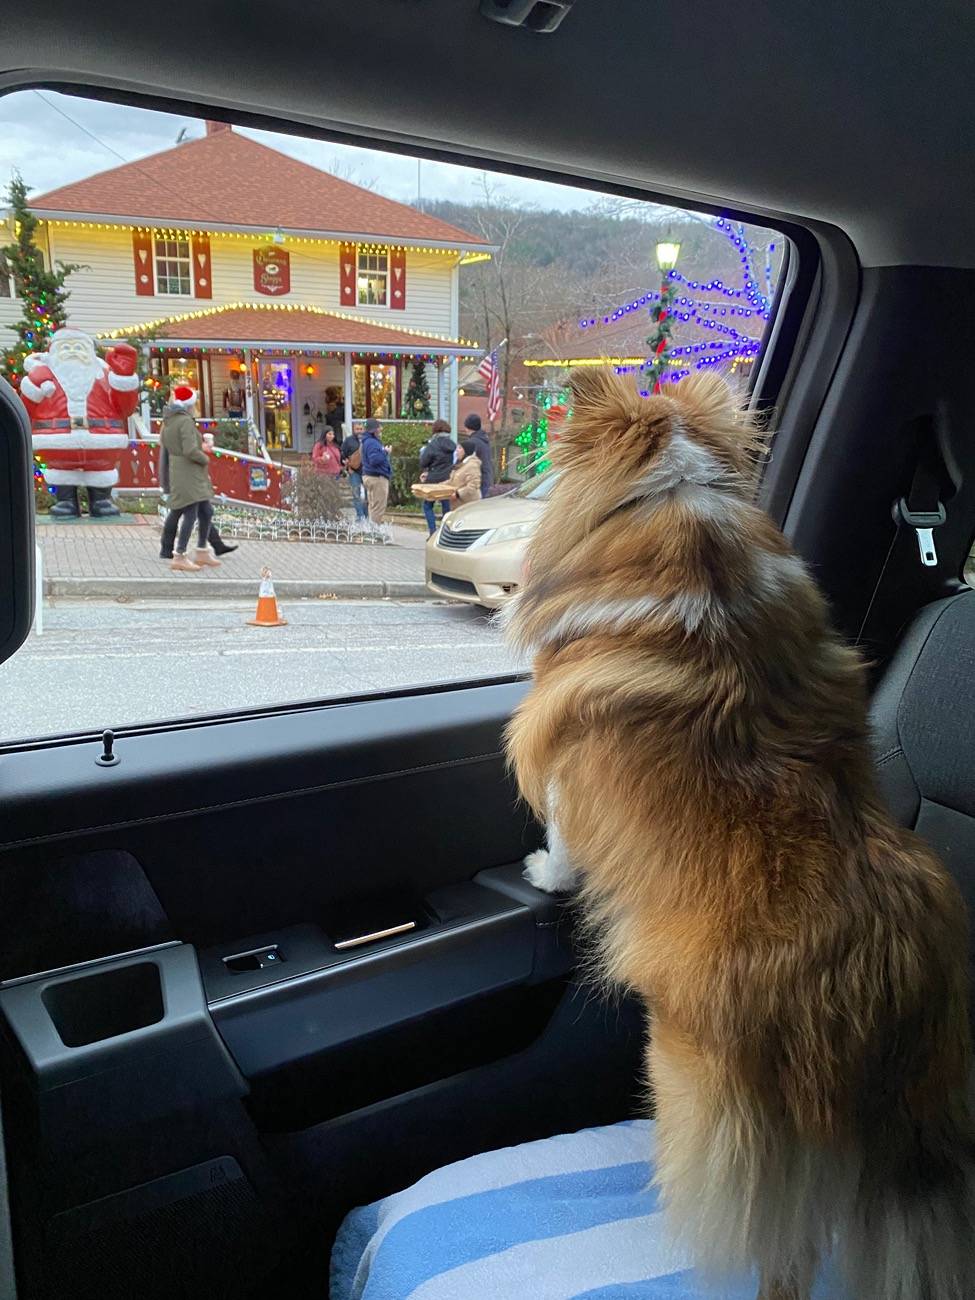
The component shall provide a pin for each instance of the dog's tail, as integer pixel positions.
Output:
(912, 1237)
(889, 1218)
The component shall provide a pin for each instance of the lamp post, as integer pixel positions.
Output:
(667, 252)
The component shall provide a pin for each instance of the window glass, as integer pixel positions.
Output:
(537, 489)
(373, 274)
(6, 279)
(234, 357)
(173, 274)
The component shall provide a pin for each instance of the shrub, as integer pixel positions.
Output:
(43, 500)
(405, 437)
(231, 435)
(406, 472)
(317, 496)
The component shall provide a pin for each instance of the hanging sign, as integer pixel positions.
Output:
(257, 478)
(272, 271)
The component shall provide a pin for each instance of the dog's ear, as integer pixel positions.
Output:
(603, 402)
(711, 409)
(707, 401)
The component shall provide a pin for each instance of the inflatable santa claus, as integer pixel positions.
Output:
(79, 406)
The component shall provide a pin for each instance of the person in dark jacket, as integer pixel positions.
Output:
(483, 442)
(352, 464)
(436, 462)
(335, 410)
(376, 471)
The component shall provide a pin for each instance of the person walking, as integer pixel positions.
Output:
(480, 437)
(436, 462)
(467, 474)
(376, 471)
(171, 524)
(191, 491)
(326, 455)
(352, 464)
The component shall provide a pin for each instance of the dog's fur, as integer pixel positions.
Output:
(697, 731)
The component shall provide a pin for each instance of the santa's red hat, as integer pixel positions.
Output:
(183, 396)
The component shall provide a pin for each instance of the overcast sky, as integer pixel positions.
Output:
(49, 150)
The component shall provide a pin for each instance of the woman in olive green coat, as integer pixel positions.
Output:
(186, 477)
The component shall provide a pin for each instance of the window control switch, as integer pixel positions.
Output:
(258, 959)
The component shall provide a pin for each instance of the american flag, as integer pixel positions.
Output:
(491, 374)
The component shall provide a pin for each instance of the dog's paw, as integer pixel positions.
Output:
(546, 872)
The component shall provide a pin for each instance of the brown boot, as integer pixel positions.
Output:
(205, 559)
(182, 565)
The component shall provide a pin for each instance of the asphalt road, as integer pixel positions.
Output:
(108, 664)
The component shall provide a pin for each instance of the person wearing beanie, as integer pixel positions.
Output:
(376, 471)
(480, 437)
(186, 467)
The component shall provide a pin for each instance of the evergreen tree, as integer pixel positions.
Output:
(416, 404)
(41, 291)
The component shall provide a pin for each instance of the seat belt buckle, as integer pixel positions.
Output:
(924, 522)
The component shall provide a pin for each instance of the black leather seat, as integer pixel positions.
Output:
(923, 717)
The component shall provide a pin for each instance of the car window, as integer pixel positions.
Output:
(537, 489)
(230, 385)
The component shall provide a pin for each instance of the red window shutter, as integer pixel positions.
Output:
(397, 279)
(145, 282)
(348, 267)
(202, 270)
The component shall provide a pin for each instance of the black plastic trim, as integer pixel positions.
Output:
(347, 999)
(370, 741)
(17, 559)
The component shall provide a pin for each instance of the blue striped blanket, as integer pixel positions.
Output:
(568, 1218)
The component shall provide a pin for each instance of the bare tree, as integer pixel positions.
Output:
(346, 170)
(511, 297)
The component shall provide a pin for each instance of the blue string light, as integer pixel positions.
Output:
(708, 305)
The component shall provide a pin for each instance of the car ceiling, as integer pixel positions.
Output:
(852, 113)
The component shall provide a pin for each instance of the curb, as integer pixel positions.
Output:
(240, 588)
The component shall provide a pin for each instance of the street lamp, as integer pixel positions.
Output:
(668, 251)
(667, 254)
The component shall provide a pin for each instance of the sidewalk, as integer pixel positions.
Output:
(112, 562)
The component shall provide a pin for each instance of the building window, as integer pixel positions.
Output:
(173, 266)
(6, 279)
(373, 279)
(376, 389)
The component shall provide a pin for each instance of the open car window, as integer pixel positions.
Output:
(234, 346)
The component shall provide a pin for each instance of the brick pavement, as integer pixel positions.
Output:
(104, 556)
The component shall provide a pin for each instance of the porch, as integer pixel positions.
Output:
(273, 364)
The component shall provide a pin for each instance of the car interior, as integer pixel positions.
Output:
(199, 1077)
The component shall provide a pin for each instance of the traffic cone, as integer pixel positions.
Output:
(267, 614)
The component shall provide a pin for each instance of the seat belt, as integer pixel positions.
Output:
(922, 509)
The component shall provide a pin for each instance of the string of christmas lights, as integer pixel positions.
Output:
(707, 305)
(154, 326)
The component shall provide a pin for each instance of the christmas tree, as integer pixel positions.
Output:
(41, 291)
(416, 404)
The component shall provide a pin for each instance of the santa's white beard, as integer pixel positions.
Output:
(76, 378)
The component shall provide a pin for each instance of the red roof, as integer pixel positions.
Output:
(243, 325)
(227, 179)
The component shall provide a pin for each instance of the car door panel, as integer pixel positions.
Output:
(237, 838)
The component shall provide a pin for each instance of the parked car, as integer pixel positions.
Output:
(478, 552)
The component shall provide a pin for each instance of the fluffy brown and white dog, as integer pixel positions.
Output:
(696, 740)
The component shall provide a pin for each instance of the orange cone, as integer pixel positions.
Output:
(267, 614)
